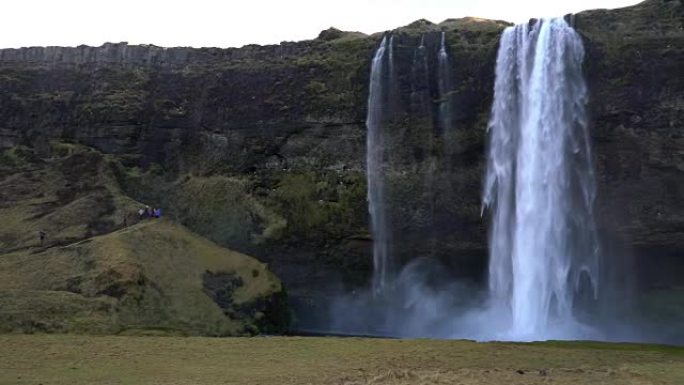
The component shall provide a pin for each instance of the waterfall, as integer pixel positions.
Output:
(421, 110)
(444, 84)
(420, 90)
(540, 182)
(375, 149)
(392, 69)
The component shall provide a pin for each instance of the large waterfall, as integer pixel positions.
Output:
(375, 142)
(540, 182)
(539, 189)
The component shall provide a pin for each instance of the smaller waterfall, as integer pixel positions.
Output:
(375, 143)
(444, 85)
(392, 69)
(430, 171)
(420, 90)
(392, 84)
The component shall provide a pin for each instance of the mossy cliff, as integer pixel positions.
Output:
(262, 149)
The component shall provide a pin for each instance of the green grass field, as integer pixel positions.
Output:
(68, 359)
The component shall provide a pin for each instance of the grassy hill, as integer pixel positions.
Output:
(101, 270)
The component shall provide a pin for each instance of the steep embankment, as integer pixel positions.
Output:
(262, 149)
(94, 274)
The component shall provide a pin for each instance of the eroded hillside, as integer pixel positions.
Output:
(98, 268)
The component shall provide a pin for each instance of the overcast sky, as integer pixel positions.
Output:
(231, 23)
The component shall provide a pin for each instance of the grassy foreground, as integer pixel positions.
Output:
(64, 359)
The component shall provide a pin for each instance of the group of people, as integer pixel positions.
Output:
(148, 212)
(143, 213)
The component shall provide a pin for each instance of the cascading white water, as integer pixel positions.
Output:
(420, 93)
(540, 181)
(392, 70)
(539, 188)
(422, 81)
(444, 84)
(375, 143)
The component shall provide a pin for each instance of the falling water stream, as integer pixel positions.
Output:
(540, 181)
(444, 84)
(539, 190)
(375, 143)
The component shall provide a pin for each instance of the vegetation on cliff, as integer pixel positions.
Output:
(102, 270)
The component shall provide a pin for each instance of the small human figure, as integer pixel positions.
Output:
(141, 213)
(157, 213)
(148, 212)
(42, 235)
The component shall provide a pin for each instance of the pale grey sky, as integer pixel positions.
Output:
(231, 23)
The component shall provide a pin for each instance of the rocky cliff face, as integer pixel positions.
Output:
(263, 148)
(634, 71)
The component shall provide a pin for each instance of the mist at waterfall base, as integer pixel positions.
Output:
(543, 277)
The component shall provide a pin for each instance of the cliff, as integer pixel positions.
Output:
(262, 149)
